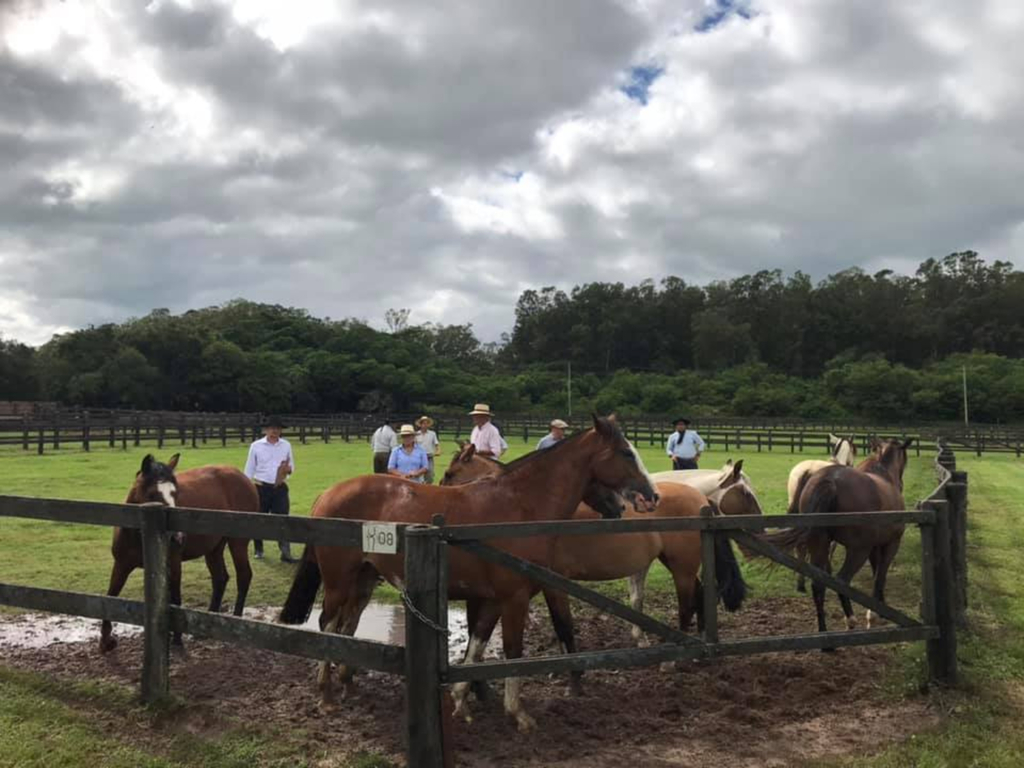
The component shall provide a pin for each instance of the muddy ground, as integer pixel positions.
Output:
(768, 710)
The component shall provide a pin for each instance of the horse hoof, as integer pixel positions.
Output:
(851, 623)
(107, 644)
(525, 723)
(328, 706)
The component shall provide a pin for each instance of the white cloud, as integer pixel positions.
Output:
(352, 156)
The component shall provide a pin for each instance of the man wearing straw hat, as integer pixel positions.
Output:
(556, 435)
(269, 466)
(408, 460)
(426, 438)
(485, 435)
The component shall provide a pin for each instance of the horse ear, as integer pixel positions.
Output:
(601, 426)
(468, 452)
(907, 443)
(728, 463)
(832, 439)
(173, 461)
(737, 470)
(147, 464)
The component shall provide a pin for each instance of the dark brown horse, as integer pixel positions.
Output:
(203, 488)
(616, 556)
(874, 485)
(546, 485)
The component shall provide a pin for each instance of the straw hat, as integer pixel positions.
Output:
(407, 429)
(558, 424)
(481, 409)
(425, 420)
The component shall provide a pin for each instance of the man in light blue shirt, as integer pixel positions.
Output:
(684, 446)
(556, 435)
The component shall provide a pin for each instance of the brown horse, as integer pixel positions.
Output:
(546, 485)
(616, 556)
(204, 488)
(874, 485)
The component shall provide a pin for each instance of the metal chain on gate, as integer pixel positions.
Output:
(422, 616)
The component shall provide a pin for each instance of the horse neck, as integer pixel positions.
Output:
(550, 486)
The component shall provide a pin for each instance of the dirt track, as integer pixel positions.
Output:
(769, 710)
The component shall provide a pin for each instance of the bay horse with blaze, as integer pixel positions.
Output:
(213, 487)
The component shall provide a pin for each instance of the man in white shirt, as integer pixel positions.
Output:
(556, 435)
(485, 435)
(269, 466)
(382, 443)
(426, 438)
(684, 446)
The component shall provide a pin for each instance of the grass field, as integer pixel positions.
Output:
(43, 726)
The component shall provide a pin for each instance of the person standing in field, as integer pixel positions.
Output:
(426, 439)
(269, 466)
(556, 435)
(485, 435)
(382, 443)
(684, 446)
(409, 460)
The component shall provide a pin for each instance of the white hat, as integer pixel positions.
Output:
(481, 409)
(407, 429)
(558, 424)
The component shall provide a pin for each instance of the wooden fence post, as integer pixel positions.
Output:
(424, 645)
(956, 495)
(24, 433)
(709, 583)
(941, 650)
(85, 434)
(42, 441)
(156, 658)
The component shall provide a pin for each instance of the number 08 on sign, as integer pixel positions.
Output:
(380, 537)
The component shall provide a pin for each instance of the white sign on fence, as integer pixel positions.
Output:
(380, 537)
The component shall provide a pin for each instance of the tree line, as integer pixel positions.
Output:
(883, 346)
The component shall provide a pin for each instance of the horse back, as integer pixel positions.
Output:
(217, 487)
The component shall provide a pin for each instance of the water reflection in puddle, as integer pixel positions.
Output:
(381, 622)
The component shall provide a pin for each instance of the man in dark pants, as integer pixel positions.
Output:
(684, 446)
(269, 465)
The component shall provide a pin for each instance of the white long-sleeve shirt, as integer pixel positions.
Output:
(265, 457)
(384, 440)
(687, 447)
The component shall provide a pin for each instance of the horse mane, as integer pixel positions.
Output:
(533, 456)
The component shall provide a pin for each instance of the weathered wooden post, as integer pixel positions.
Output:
(85, 433)
(24, 433)
(42, 440)
(938, 594)
(709, 583)
(956, 495)
(156, 656)
(426, 644)
(194, 436)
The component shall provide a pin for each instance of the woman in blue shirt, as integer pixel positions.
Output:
(409, 460)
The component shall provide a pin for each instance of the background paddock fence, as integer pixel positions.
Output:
(45, 429)
(423, 660)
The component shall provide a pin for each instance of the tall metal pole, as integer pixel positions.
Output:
(568, 387)
(965, 398)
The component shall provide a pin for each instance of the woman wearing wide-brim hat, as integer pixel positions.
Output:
(426, 439)
(408, 460)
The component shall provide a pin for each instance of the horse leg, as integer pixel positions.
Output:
(561, 620)
(330, 615)
(239, 549)
(513, 624)
(174, 582)
(817, 550)
(481, 688)
(685, 580)
(487, 614)
(218, 576)
(637, 588)
(855, 559)
(366, 582)
(882, 558)
(801, 580)
(118, 576)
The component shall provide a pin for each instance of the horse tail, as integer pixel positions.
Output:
(302, 595)
(822, 499)
(794, 504)
(731, 586)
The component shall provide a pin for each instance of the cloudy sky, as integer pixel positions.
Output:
(351, 156)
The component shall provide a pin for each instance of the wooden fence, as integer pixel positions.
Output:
(424, 658)
(88, 429)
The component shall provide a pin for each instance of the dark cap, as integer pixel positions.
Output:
(273, 421)
(683, 419)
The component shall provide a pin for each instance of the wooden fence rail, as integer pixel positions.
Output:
(424, 658)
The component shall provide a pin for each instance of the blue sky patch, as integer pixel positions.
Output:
(720, 12)
(640, 79)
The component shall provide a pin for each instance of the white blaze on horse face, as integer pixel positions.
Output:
(167, 492)
(643, 469)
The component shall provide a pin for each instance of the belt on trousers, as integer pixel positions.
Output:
(261, 484)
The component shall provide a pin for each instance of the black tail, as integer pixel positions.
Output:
(794, 507)
(302, 595)
(731, 586)
(822, 499)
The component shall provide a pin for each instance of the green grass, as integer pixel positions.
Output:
(40, 725)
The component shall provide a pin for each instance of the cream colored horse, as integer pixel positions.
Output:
(707, 481)
(843, 453)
